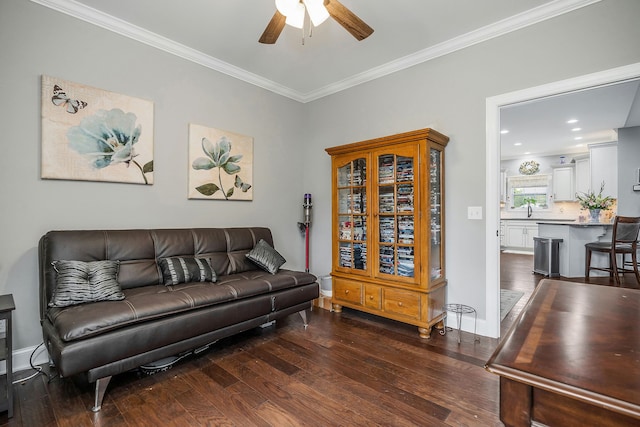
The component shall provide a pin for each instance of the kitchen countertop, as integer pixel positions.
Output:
(575, 223)
(538, 219)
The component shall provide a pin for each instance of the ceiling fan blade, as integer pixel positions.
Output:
(356, 26)
(274, 28)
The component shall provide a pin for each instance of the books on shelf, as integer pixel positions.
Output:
(345, 230)
(405, 229)
(359, 172)
(360, 256)
(385, 202)
(346, 259)
(359, 228)
(385, 169)
(404, 169)
(353, 256)
(405, 261)
(405, 198)
(387, 260)
(387, 229)
(356, 229)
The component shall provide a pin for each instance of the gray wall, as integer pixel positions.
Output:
(35, 40)
(628, 164)
(447, 94)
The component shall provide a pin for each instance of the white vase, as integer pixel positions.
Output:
(594, 215)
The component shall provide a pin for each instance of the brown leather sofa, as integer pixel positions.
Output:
(154, 321)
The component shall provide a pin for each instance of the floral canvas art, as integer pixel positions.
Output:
(91, 134)
(220, 164)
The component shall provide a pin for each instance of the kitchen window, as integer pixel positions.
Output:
(529, 188)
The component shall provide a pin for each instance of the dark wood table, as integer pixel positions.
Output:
(572, 358)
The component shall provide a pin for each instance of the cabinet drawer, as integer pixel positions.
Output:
(404, 303)
(347, 291)
(373, 296)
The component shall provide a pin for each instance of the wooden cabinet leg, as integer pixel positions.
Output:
(425, 333)
(337, 308)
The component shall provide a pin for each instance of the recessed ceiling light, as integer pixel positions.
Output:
(579, 145)
(578, 138)
(576, 129)
(503, 131)
(572, 121)
(517, 144)
(527, 152)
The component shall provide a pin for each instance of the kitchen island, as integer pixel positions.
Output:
(574, 236)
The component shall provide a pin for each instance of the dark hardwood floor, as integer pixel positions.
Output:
(345, 369)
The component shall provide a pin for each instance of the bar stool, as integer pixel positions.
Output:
(624, 241)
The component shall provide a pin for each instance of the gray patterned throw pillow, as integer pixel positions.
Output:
(266, 257)
(78, 282)
(176, 270)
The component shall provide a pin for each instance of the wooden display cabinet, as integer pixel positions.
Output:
(388, 227)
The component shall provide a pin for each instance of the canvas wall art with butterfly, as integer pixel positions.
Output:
(220, 164)
(91, 134)
(60, 98)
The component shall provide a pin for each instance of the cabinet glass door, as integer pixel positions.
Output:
(352, 214)
(435, 194)
(395, 213)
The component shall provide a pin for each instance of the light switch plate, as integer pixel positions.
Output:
(474, 212)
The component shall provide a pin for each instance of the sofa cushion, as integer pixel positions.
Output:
(151, 302)
(266, 257)
(79, 282)
(176, 270)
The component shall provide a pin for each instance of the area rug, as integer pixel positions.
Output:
(508, 300)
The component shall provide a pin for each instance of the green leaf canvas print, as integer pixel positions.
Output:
(220, 164)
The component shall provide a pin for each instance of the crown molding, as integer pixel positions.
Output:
(533, 16)
(126, 29)
(505, 26)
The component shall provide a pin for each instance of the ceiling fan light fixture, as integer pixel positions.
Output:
(317, 12)
(296, 17)
(286, 7)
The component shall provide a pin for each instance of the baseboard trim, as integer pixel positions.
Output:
(518, 251)
(21, 359)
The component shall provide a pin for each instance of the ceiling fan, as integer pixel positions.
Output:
(292, 12)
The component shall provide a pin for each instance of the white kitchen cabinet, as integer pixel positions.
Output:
(530, 231)
(520, 234)
(583, 175)
(604, 168)
(563, 184)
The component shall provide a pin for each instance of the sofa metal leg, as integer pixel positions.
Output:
(101, 387)
(303, 314)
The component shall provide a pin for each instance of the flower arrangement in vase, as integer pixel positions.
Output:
(595, 202)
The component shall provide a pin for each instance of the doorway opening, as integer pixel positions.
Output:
(493, 107)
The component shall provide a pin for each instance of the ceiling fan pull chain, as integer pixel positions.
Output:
(303, 30)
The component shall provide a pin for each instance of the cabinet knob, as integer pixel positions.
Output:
(400, 304)
(347, 291)
(370, 296)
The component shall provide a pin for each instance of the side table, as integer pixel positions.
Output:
(6, 351)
